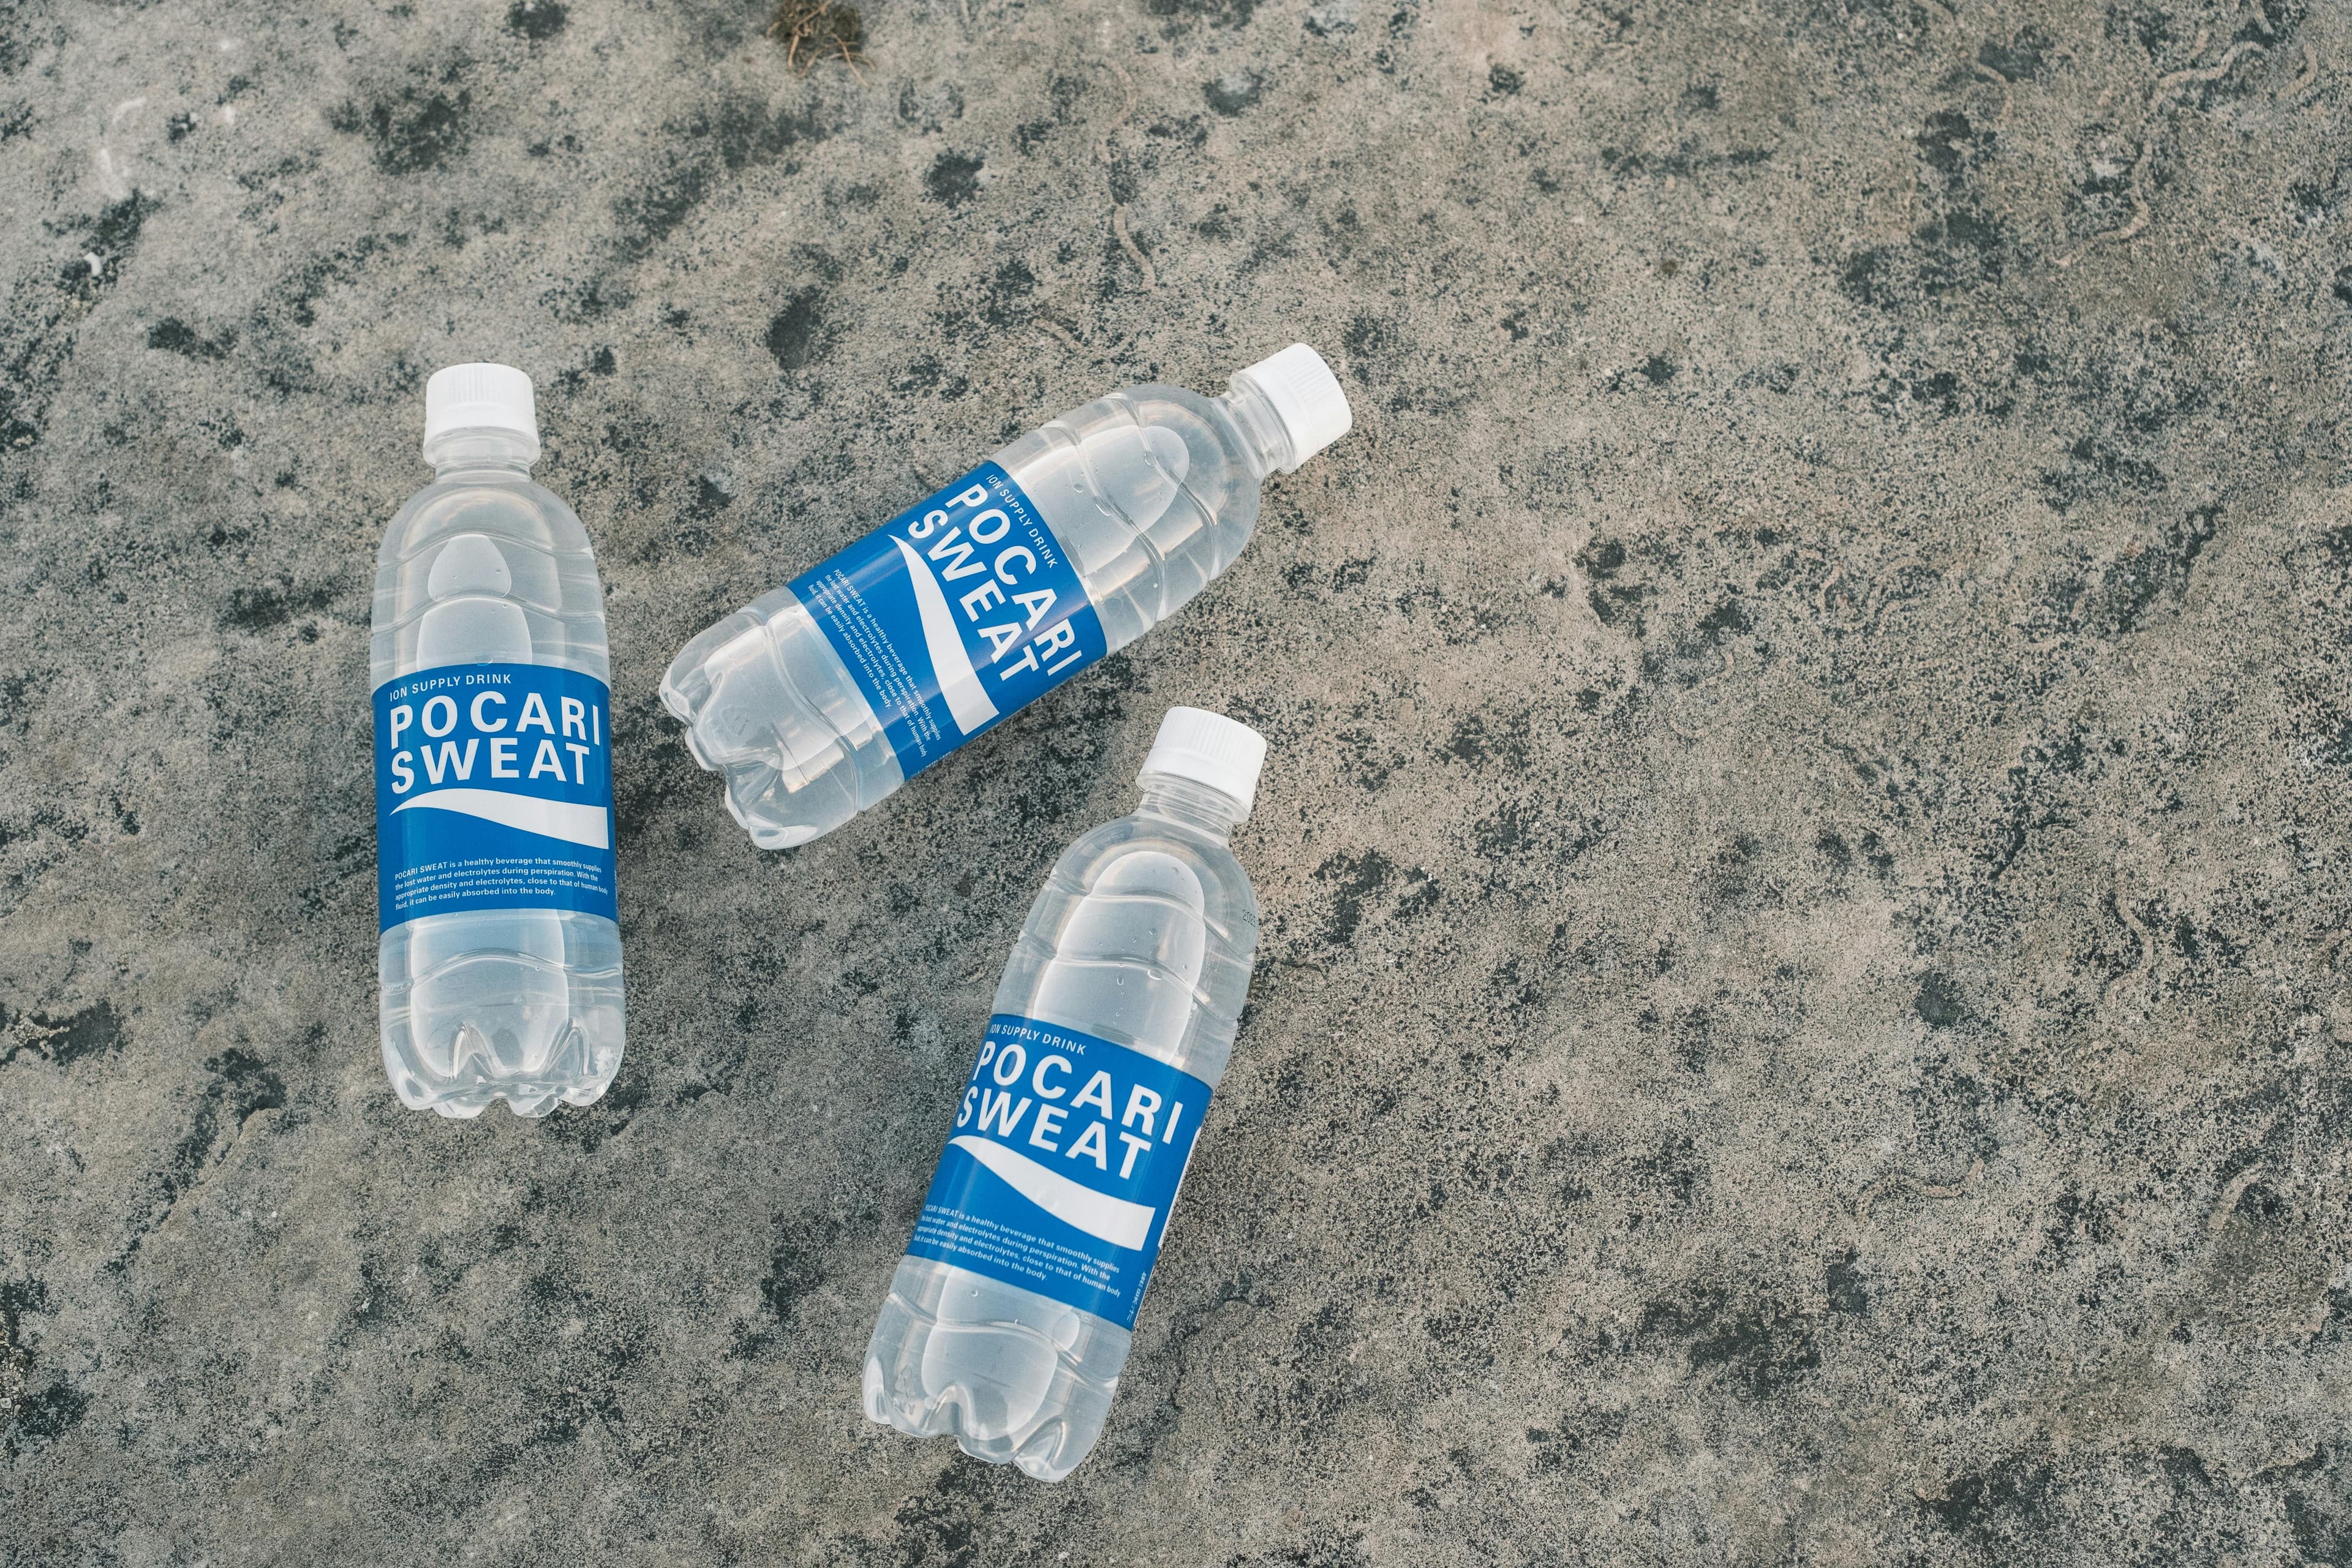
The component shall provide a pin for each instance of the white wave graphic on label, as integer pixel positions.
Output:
(959, 682)
(1106, 1218)
(588, 825)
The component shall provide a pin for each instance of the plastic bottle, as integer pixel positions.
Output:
(1009, 1319)
(827, 695)
(500, 952)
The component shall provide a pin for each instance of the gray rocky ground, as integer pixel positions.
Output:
(1802, 1014)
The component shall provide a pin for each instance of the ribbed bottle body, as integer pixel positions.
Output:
(485, 569)
(1143, 937)
(1152, 492)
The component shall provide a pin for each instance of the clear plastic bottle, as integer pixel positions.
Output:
(499, 954)
(818, 700)
(1009, 1319)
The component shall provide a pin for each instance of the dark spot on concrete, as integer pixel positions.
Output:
(412, 130)
(1674, 1171)
(245, 1084)
(1734, 878)
(119, 223)
(1189, 132)
(2096, 470)
(1940, 392)
(1939, 1002)
(2149, 25)
(111, 236)
(537, 19)
(793, 333)
(1950, 143)
(732, 135)
(25, 1294)
(652, 213)
(2314, 202)
(1612, 602)
(2021, 59)
(176, 336)
(241, 1086)
(2120, 599)
(1478, 739)
(1761, 1347)
(93, 1031)
(1727, 619)
(1357, 878)
(1007, 303)
(2186, 1467)
(1844, 1286)
(796, 1265)
(1765, 1351)
(953, 178)
(1232, 92)
(302, 289)
(1217, 12)
(2260, 1202)
(1657, 370)
(1503, 81)
(31, 1420)
(1692, 1038)
(1367, 337)
(1981, 1504)
(1503, 832)
(272, 604)
(1955, 249)
(2320, 1518)
(1865, 276)
(714, 492)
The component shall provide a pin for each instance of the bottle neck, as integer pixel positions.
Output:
(1264, 437)
(508, 453)
(1195, 804)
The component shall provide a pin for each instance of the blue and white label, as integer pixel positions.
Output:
(493, 791)
(1065, 1160)
(953, 614)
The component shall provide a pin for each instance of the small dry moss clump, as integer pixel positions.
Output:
(812, 30)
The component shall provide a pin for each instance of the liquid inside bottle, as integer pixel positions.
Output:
(1009, 1321)
(813, 706)
(499, 955)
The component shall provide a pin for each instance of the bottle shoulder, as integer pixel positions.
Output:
(1144, 934)
(512, 508)
(1192, 441)
(1152, 493)
(1230, 902)
(487, 566)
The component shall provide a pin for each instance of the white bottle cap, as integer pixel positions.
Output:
(1209, 748)
(1306, 396)
(480, 397)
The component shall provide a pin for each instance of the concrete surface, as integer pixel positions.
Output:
(1805, 854)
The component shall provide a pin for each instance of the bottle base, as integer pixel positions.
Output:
(1015, 1378)
(523, 1006)
(769, 707)
(1046, 1453)
(463, 1099)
